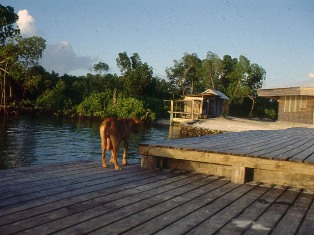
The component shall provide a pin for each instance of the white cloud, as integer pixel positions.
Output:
(311, 75)
(26, 24)
(62, 59)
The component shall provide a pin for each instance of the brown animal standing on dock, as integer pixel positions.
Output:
(112, 132)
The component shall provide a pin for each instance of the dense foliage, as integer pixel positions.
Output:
(135, 92)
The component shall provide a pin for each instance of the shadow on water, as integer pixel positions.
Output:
(32, 140)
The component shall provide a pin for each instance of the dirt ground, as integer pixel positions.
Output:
(239, 124)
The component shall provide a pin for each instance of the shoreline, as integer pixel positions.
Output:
(229, 124)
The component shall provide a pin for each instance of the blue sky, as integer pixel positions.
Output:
(277, 35)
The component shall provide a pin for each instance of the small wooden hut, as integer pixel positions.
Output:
(209, 103)
(296, 104)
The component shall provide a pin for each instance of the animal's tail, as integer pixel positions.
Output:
(104, 134)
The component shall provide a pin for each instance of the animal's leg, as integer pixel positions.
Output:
(103, 147)
(112, 156)
(126, 145)
(103, 158)
(109, 147)
(115, 147)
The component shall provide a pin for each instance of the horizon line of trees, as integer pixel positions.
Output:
(135, 92)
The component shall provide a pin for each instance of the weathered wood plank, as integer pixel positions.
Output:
(135, 200)
(197, 216)
(297, 149)
(200, 167)
(88, 220)
(240, 223)
(248, 139)
(267, 151)
(307, 226)
(288, 150)
(213, 223)
(304, 155)
(113, 191)
(147, 214)
(309, 159)
(39, 169)
(284, 178)
(291, 221)
(273, 214)
(251, 143)
(93, 182)
(57, 197)
(226, 159)
(238, 174)
(157, 217)
(43, 184)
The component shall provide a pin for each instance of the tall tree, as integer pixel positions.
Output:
(7, 30)
(136, 75)
(241, 79)
(212, 70)
(184, 72)
(101, 67)
(20, 55)
(255, 80)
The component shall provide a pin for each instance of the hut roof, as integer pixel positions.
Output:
(303, 89)
(215, 92)
(210, 92)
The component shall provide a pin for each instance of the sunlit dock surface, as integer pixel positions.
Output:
(282, 157)
(81, 197)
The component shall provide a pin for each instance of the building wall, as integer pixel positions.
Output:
(296, 109)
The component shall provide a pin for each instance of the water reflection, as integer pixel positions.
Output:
(32, 140)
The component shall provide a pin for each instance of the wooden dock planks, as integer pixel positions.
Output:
(81, 197)
(284, 157)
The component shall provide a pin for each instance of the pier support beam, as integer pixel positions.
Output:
(238, 174)
(149, 162)
(241, 174)
(153, 162)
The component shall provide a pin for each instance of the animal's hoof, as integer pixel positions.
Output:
(118, 168)
(105, 166)
(124, 162)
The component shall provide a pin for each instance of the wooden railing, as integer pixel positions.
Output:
(185, 109)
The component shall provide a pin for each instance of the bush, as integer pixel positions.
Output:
(270, 113)
(157, 106)
(129, 107)
(54, 99)
(95, 104)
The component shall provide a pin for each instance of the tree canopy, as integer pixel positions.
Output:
(237, 78)
(7, 20)
(135, 91)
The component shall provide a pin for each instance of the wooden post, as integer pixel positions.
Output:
(149, 162)
(192, 111)
(238, 174)
(171, 112)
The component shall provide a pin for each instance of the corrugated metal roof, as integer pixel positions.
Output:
(215, 92)
(307, 83)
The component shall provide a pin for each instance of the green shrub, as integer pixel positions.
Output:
(129, 107)
(270, 113)
(157, 106)
(54, 99)
(95, 104)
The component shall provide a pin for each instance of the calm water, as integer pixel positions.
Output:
(32, 140)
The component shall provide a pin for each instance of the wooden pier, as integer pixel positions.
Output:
(282, 157)
(84, 198)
